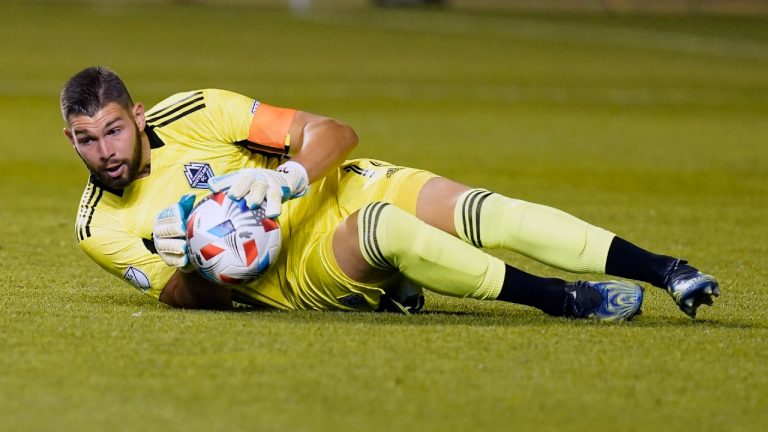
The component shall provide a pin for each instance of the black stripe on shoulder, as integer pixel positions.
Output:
(163, 111)
(157, 118)
(183, 114)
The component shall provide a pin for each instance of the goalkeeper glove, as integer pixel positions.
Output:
(256, 185)
(170, 233)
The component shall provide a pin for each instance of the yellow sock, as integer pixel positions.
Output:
(487, 219)
(391, 238)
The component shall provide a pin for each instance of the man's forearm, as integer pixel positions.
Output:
(192, 291)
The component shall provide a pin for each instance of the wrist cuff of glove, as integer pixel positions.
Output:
(300, 173)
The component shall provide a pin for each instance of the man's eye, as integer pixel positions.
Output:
(84, 141)
(114, 131)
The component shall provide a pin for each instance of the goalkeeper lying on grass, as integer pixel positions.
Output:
(359, 235)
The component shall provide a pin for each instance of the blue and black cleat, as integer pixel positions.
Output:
(689, 287)
(605, 301)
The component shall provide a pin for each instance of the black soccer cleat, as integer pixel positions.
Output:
(406, 298)
(605, 301)
(689, 287)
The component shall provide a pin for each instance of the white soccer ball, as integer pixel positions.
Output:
(229, 243)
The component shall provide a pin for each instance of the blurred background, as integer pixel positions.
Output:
(649, 118)
(621, 6)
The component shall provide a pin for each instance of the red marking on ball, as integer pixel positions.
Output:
(190, 226)
(229, 279)
(210, 250)
(251, 251)
(269, 224)
(219, 197)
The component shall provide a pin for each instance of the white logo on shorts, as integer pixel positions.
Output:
(137, 278)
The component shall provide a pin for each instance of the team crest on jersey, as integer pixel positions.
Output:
(198, 174)
(137, 278)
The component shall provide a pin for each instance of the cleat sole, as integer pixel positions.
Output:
(698, 295)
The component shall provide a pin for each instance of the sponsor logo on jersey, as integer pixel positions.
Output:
(391, 171)
(137, 278)
(198, 174)
(360, 171)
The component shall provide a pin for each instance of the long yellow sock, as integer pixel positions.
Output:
(390, 238)
(487, 219)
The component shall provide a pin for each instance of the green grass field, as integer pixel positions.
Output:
(653, 127)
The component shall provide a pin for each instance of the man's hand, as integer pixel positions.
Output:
(170, 233)
(256, 185)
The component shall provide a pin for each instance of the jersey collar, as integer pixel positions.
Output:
(100, 184)
(154, 140)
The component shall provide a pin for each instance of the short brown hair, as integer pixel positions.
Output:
(90, 90)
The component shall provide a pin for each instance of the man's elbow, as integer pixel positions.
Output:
(347, 136)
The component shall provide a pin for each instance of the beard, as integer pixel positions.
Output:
(132, 164)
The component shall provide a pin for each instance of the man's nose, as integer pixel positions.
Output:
(106, 150)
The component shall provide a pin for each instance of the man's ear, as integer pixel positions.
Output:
(70, 137)
(138, 116)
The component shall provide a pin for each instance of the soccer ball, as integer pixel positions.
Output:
(229, 243)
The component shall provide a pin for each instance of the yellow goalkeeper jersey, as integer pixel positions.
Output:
(200, 134)
(193, 136)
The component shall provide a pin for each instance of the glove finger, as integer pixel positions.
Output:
(241, 187)
(176, 260)
(255, 197)
(219, 183)
(170, 246)
(186, 203)
(173, 252)
(278, 183)
(169, 223)
(274, 201)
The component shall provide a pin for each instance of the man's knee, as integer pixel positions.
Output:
(349, 257)
(437, 201)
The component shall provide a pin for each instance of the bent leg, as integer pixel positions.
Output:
(392, 240)
(382, 238)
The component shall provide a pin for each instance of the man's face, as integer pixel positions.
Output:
(110, 143)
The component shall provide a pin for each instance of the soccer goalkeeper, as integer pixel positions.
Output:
(357, 234)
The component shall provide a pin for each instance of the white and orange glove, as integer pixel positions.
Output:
(264, 187)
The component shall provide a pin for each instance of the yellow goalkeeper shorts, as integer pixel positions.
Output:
(314, 276)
